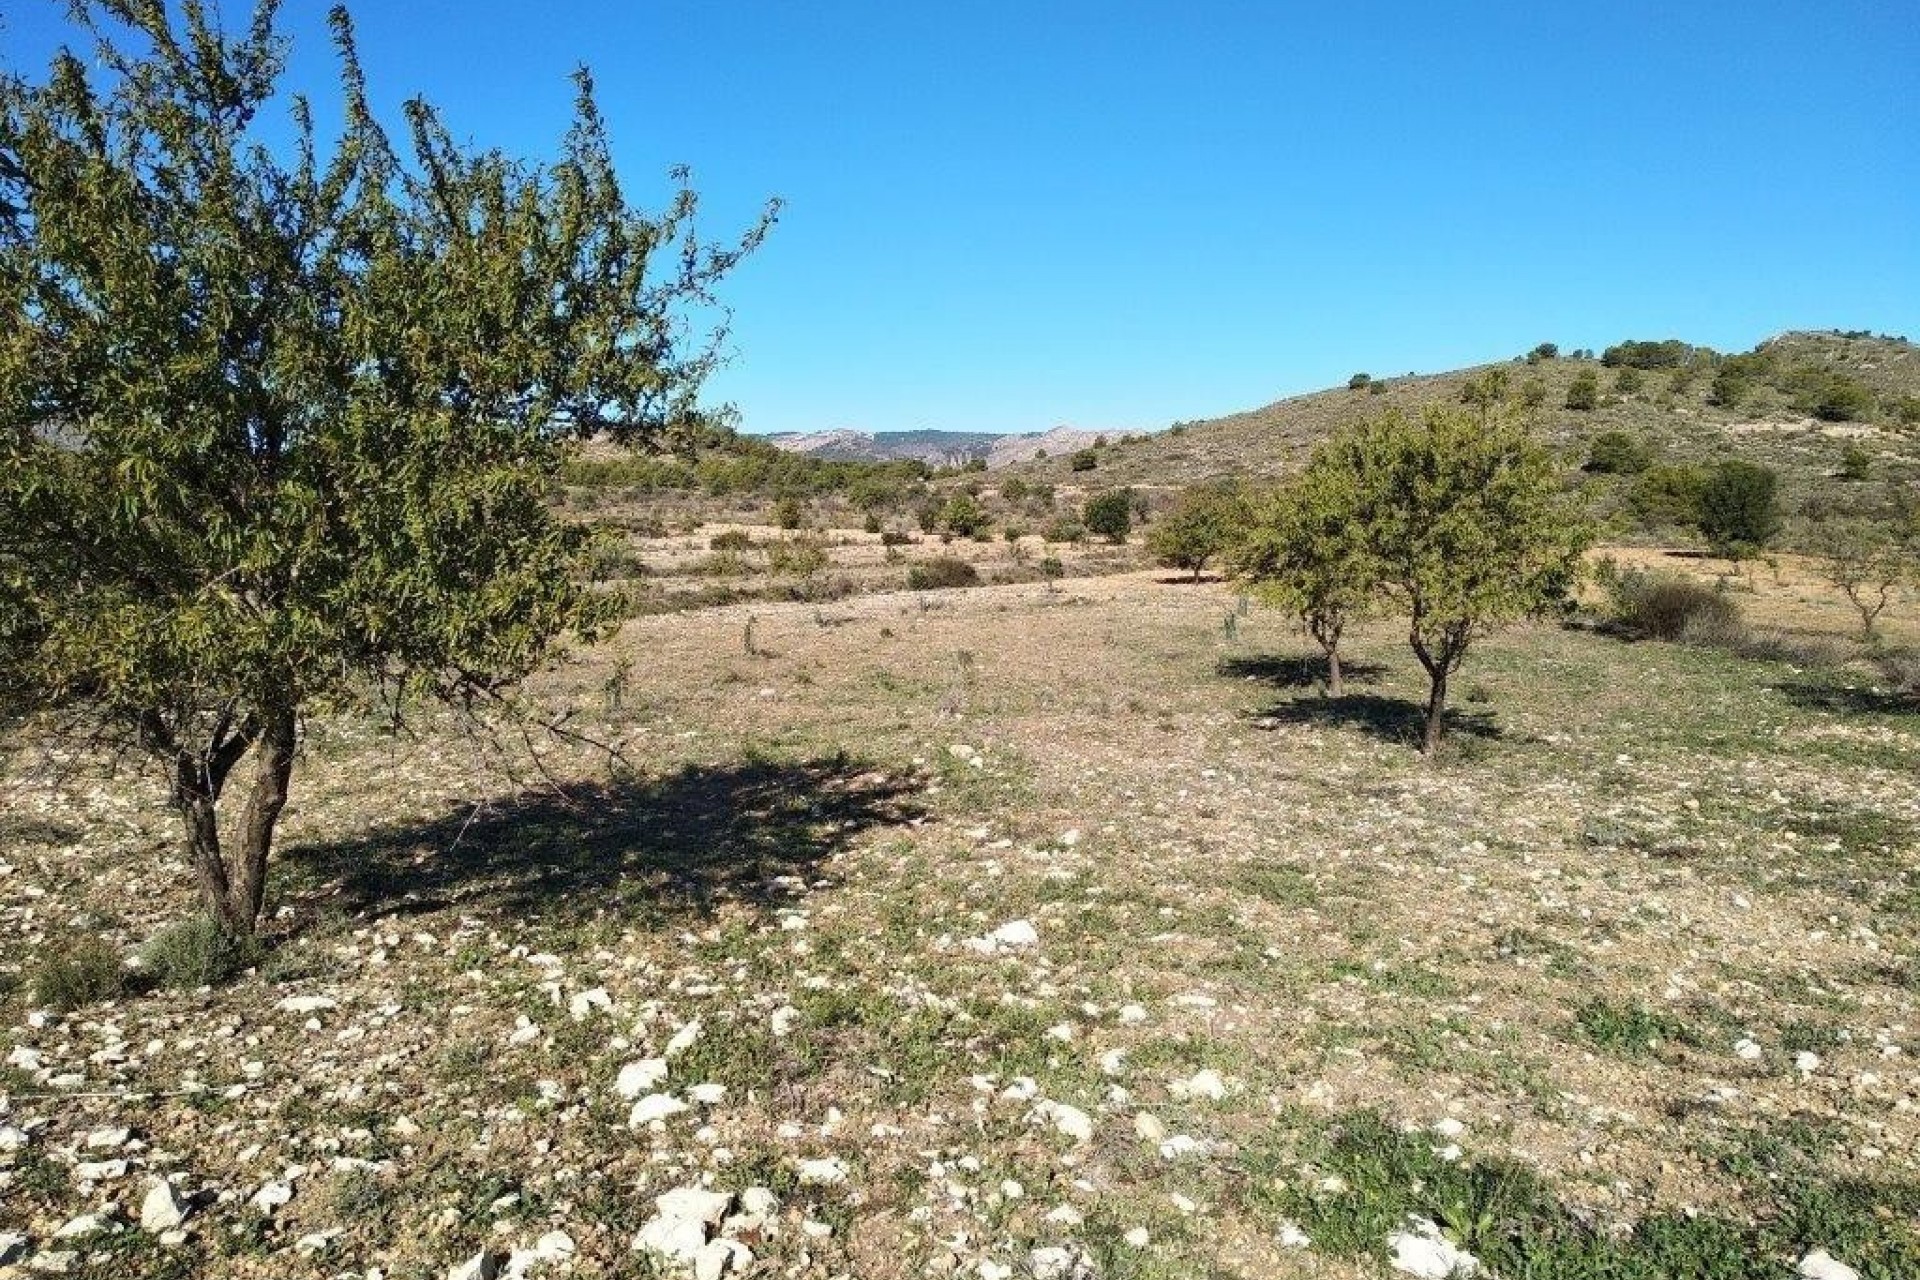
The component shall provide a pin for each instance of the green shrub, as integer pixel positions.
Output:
(1545, 351)
(1628, 381)
(1065, 529)
(1667, 496)
(894, 538)
(1084, 460)
(1583, 393)
(942, 571)
(1669, 354)
(801, 556)
(1110, 514)
(871, 524)
(963, 516)
(1359, 381)
(788, 512)
(1618, 453)
(1013, 489)
(79, 971)
(197, 953)
(1739, 510)
(1533, 393)
(1668, 606)
(1855, 463)
(731, 540)
(1376, 388)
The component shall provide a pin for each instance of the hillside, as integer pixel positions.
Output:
(938, 448)
(1671, 409)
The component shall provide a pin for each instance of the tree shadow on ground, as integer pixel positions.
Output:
(1305, 672)
(1846, 699)
(691, 840)
(1397, 720)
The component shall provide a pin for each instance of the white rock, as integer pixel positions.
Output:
(821, 1173)
(1747, 1049)
(722, 1258)
(85, 1225)
(1420, 1250)
(759, 1202)
(1291, 1236)
(695, 1204)
(1057, 1262)
(637, 1078)
(785, 1019)
(1138, 1238)
(1015, 933)
(163, 1209)
(682, 1039)
(1806, 1062)
(24, 1058)
(13, 1247)
(653, 1108)
(12, 1139)
(1448, 1127)
(54, 1262)
(1066, 1216)
(1148, 1126)
(1132, 1014)
(481, 1266)
(585, 1002)
(100, 1170)
(1205, 1084)
(708, 1095)
(307, 1004)
(1071, 1121)
(108, 1138)
(554, 1246)
(677, 1239)
(1821, 1265)
(319, 1241)
(1179, 1145)
(271, 1196)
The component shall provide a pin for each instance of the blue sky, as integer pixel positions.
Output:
(1007, 216)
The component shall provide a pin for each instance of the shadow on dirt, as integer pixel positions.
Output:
(691, 840)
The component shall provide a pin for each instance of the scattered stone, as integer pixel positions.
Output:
(307, 1004)
(695, 1204)
(682, 1039)
(1138, 1238)
(54, 1262)
(821, 1173)
(1821, 1265)
(1291, 1236)
(12, 1139)
(708, 1095)
(585, 1002)
(1420, 1250)
(1204, 1084)
(554, 1246)
(1747, 1049)
(637, 1078)
(108, 1139)
(100, 1170)
(1058, 1262)
(481, 1266)
(163, 1209)
(654, 1108)
(1806, 1062)
(271, 1196)
(1448, 1127)
(1071, 1121)
(86, 1224)
(785, 1019)
(722, 1258)
(1132, 1014)
(13, 1247)
(1148, 1126)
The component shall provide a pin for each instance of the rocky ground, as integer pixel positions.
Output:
(1011, 933)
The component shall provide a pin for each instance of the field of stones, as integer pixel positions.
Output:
(1053, 929)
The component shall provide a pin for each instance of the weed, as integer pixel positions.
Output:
(80, 971)
(197, 953)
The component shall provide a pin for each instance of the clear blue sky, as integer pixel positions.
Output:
(1005, 216)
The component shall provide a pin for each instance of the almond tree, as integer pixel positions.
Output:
(1308, 551)
(277, 430)
(1469, 522)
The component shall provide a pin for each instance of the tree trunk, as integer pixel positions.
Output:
(1436, 712)
(1335, 689)
(233, 888)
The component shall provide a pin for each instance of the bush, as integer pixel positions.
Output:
(731, 540)
(1065, 529)
(1085, 460)
(1376, 388)
(963, 516)
(942, 571)
(1583, 393)
(1668, 606)
(1669, 354)
(871, 524)
(1545, 351)
(1359, 381)
(1618, 453)
(1110, 514)
(1013, 489)
(789, 512)
(197, 953)
(1628, 381)
(1855, 463)
(894, 538)
(802, 557)
(80, 971)
(1533, 393)
(1739, 513)
(1667, 496)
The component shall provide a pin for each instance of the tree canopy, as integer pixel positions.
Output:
(277, 430)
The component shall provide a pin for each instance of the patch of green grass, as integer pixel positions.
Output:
(77, 972)
(1514, 1222)
(197, 953)
(1631, 1029)
(1282, 884)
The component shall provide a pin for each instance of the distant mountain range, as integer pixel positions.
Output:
(939, 448)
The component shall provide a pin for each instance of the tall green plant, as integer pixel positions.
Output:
(1308, 550)
(277, 429)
